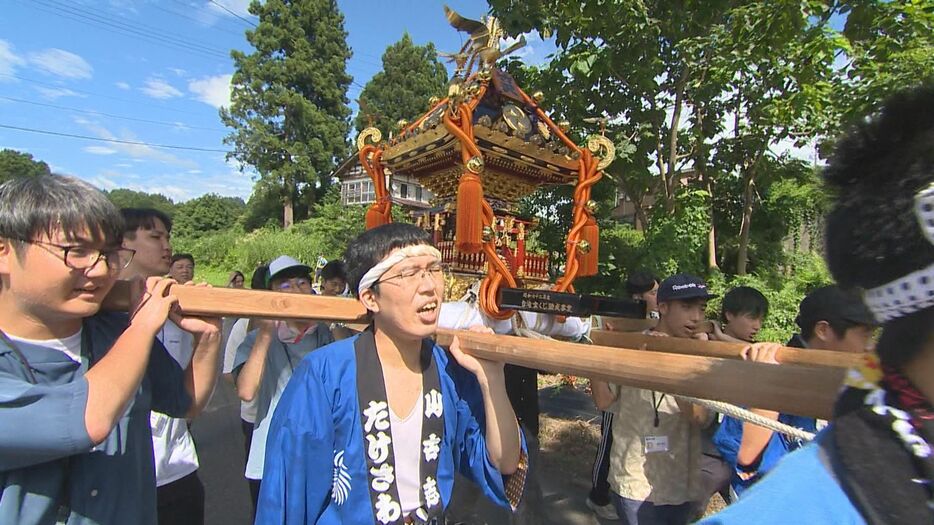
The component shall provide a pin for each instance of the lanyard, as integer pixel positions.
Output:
(655, 405)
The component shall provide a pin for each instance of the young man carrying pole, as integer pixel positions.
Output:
(641, 286)
(830, 319)
(389, 414)
(655, 457)
(76, 384)
(179, 491)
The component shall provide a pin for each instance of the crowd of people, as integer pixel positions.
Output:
(385, 426)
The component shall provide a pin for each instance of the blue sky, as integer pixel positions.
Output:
(156, 72)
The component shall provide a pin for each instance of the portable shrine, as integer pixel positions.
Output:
(480, 149)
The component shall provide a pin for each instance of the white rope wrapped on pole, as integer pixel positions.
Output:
(738, 412)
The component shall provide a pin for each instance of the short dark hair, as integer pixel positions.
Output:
(872, 233)
(839, 327)
(45, 203)
(334, 270)
(180, 256)
(258, 279)
(744, 300)
(372, 246)
(144, 218)
(640, 282)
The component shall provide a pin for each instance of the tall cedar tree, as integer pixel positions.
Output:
(411, 75)
(289, 101)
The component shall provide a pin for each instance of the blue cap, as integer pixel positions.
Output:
(683, 287)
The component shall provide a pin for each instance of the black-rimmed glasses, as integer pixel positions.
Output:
(414, 276)
(83, 258)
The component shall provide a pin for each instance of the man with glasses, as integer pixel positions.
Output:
(373, 428)
(179, 491)
(76, 384)
(266, 358)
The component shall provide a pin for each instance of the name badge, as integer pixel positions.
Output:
(655, 444)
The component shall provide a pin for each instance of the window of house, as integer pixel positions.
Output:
(404, 191)
(418, 193)
(367, 192)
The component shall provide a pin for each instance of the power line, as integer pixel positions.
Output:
(125, 23)
(111, 115)
(115, 25)
(134, 102)
(195, 20)
(231, 12)
(115, 141)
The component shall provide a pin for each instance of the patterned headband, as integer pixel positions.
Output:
(915, 291)
(394, 258)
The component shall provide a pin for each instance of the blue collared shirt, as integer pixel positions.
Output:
(47, 459)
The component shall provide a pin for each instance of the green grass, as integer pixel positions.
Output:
(214, 276)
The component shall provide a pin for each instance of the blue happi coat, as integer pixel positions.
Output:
(316, 470)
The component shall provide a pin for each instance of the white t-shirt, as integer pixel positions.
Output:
(70, 346)
(461, 315)
(406, 442)
(234, 340)
(173, 449)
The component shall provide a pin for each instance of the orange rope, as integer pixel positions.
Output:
(374, 168)
(587, 176)
(498, 273)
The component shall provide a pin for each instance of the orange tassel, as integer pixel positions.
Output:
(469, 219)
(375, 216)
(588, 261)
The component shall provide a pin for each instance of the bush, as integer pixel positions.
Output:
(783, 293)
(324, 235)
(236, 250)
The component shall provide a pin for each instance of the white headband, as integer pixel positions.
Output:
(915, 291)
(394, 258)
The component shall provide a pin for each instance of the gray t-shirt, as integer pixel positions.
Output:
(281, 360)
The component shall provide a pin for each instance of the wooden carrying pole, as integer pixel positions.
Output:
(233, 302)
(791, 388)
(785, 355)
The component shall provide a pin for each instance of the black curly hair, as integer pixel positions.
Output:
(872, 233)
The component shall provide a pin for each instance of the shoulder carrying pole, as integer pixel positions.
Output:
(804, 389)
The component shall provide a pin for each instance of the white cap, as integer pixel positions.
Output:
(283, 263)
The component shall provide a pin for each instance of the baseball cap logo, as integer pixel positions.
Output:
(686, 286)
(683, 287)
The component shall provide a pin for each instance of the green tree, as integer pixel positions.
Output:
(18, 164)
(288, 108)
(207, 214)
(264, 209)
(890, 47)
(716, 87)
(411, 75)
(773, 66)
(124, 198)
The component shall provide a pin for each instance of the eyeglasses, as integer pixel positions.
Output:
(295, 283)
(414, 276)
(83, 258)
